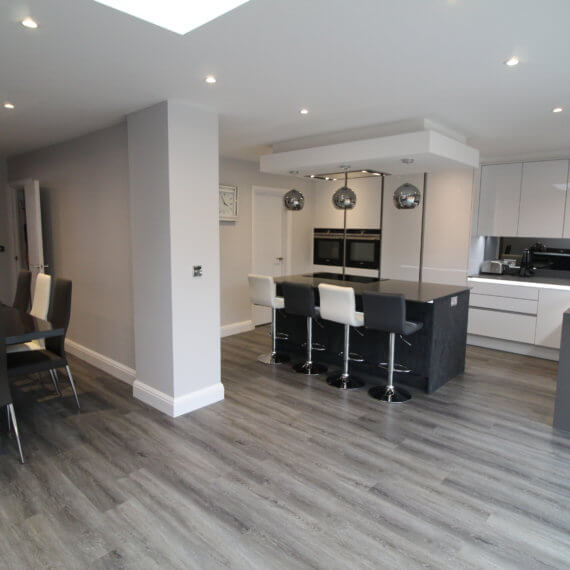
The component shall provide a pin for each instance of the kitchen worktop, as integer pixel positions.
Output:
(413, 291)
(532, 281)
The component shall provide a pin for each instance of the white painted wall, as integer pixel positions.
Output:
(236, 237)
(84, 188)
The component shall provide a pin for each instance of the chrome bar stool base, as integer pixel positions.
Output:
(273, 358)
(389, 394)
(310, 368)
(345, 382)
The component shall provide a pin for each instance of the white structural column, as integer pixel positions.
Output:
(173, 168)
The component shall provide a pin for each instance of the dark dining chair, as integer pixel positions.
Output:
(5, 393)
(53, 356)
(23, 295)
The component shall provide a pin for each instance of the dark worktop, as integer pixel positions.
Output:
(413, 291)
(535, 279)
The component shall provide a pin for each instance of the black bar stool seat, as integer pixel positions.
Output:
(386, 312)
(300, 300)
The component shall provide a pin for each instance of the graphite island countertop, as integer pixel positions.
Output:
(413, 291)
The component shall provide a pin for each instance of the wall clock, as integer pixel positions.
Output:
(228, 203)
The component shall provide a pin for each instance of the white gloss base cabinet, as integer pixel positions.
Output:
(552, 304)
(517, 313)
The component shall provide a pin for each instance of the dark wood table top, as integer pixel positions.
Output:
(22, 327)
(413, 291)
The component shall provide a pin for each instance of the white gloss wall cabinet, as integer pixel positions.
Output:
(500, 199)
(552, 304)
(543, 199)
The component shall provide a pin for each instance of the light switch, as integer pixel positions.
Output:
(453, 301)
(197, 271)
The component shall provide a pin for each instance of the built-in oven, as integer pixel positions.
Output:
(363, 248)
(328, 246)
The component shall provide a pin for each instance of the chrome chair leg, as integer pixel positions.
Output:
(12, 413)
(273, 357)
(72, 386)
(344, 381)
(389, 393)
(53, 375)
(309, 367)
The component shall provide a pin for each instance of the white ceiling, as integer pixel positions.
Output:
(353, 63)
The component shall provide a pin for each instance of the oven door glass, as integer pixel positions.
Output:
(363, 253)
(327, 251)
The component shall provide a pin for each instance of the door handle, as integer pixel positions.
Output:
(279, 258)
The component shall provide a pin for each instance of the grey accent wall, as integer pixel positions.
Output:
(5, 275)
(85, 188)
(236, 238)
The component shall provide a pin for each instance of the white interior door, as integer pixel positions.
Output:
(26, 222)
(271, 233)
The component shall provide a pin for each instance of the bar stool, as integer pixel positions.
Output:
(387, 313)
(300, 300)
(338, 304)
(262, 292)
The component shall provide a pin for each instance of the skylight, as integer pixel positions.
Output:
(180, 16)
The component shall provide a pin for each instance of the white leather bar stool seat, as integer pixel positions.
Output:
(338, 304)
(263, 292)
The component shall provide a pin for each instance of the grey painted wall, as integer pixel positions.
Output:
(5, 276)
(235, 238)
(84, 184)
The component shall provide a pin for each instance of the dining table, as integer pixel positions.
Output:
(20, 326)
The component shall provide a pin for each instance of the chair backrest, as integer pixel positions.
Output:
(59, 314)
(384, 311)
(23, 291)
(5, 394)
(299, 299)
(337, 304)
(262, 290)
(42, 293)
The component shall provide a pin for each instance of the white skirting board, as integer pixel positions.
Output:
(108, 365)
(512, 346)
(236, 328)
(175, 407)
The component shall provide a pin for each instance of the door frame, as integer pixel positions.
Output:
(12, 188)
(287, 226)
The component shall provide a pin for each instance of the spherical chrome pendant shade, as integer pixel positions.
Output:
(294, 200)
(407, 196)
(344, 198)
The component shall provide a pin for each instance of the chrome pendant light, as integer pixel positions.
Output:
(344, 198)
(294, 200)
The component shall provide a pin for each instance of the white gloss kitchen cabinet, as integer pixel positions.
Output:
(543, 199)
(500, 199)
(552, 303)
(524, 199)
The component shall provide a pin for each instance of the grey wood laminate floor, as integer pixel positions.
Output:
(290, 473)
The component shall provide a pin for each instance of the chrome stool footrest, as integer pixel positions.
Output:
(353, 357)
(317, 346)
(400, 368)
(281, 336)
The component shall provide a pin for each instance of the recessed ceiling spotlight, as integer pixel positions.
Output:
(304, 111)
(29, 23)
(210, 79)
(408, 161)
(312, 175)
(376, 173)
(327, 178)
(512, 61)
(557, 110)
(364, 171)
(9, 105)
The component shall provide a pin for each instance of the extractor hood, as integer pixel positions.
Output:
(408, 153)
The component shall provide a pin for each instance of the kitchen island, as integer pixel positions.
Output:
(436, 353)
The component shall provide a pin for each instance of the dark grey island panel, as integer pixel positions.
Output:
(562, 403)
(436, 354)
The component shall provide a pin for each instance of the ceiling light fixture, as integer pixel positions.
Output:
(304, 111)
(408, 161)
(9, 105)
(312, 175)
(29, 23)
(512, 61)
(557, 110)
(210, 79)
(173, 15)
